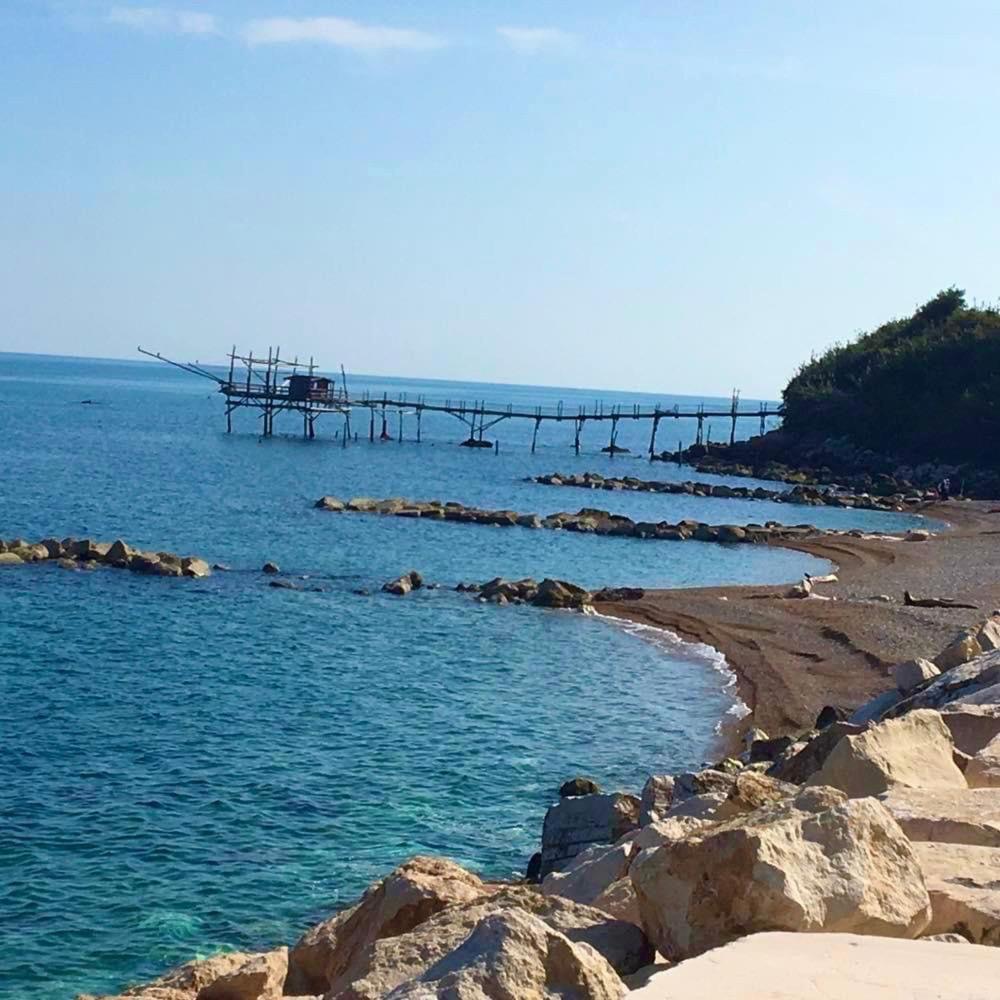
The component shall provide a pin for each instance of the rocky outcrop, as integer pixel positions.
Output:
(86, 554)
(782, 966)
(818, 862)
(514, 956)
(574, 824)
(915, 751)
(322, 959)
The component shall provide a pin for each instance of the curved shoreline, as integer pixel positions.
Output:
(792, 657)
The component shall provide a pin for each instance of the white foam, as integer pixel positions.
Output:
(681, 649)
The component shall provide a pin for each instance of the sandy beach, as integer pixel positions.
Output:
(792, 657)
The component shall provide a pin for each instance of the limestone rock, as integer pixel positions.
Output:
(574, 824)
(988, 635)
(750, 791)
(330, 503)
(953, 815)
(657, 796)
(271, 568)
(665, 831)
(261, 977)
(784, 966)
(690, 783)
(404, 584)
(912, 673)
(798, 768)
(405, 898)
(591, 873)
(963, 684)
(983, 771)
(515, 956)
(10, 559)
(915, 751)
(972, 726)
(703, 807)
(192, 566)
(962, 649)
(382, 966)
(815, 863)
(964, 886)
(874, 710)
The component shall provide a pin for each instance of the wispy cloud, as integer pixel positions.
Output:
(164, 20)
(533, 40)
(338, 31)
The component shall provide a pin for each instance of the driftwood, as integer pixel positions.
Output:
(934, 602)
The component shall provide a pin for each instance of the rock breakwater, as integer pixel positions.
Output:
(87, 554)
(588, 520)
(799, 494)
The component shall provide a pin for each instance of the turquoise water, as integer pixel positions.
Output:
(189, 765)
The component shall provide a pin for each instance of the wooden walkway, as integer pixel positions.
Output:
(272, 385)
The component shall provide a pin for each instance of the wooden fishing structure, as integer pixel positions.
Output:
(273, 385)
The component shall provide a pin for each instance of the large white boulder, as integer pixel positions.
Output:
(404, 899)
(830, 967)
(952, 815)
(657, 796)
(590, 877)
(915, 750)
(819, 862)
(964, 885)
(511, 955)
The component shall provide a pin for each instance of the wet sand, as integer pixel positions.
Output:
(792, 657)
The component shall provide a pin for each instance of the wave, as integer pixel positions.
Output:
(694, 652)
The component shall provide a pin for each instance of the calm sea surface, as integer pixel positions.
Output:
(192, 765)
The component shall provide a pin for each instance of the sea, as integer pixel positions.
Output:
(195, 765)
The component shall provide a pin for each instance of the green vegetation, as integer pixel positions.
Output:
(923, 388)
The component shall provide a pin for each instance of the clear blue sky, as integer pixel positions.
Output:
(673, 196)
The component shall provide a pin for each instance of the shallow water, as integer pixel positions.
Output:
(194, 764)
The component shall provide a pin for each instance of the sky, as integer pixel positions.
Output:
(679, 196)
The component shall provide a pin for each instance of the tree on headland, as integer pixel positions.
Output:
(923, 387)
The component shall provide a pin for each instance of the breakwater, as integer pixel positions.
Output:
(588, 520)
(86, 554)
(798, 494)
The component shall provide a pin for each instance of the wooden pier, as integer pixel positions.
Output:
(273, 385)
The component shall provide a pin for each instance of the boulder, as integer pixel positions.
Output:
(382, 966)
(514, 956)
(814, 863)
(750, 791)
(874, 710)
(10, 559)
(911, 674)
(988, 636)
(53, 547)
(702, 807)
(962, 649)
(964, 684)
(690, 783)
(362, 504)
(119, 554)
(964, 886)
(271, 568)
(953, 815)
(665, 831)
(805, 762)
(591, 874)
(579, 786)
(261, 977)
(330, 503)
(768, 750)
(574, 824)
(972, 726)
(656, 799)
(784, 966)
(983, 771)
(914, 751)
(404, 584)
(560, 594)
(404, 899)
(193, 566)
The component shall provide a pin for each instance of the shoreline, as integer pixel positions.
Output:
(793, 657)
